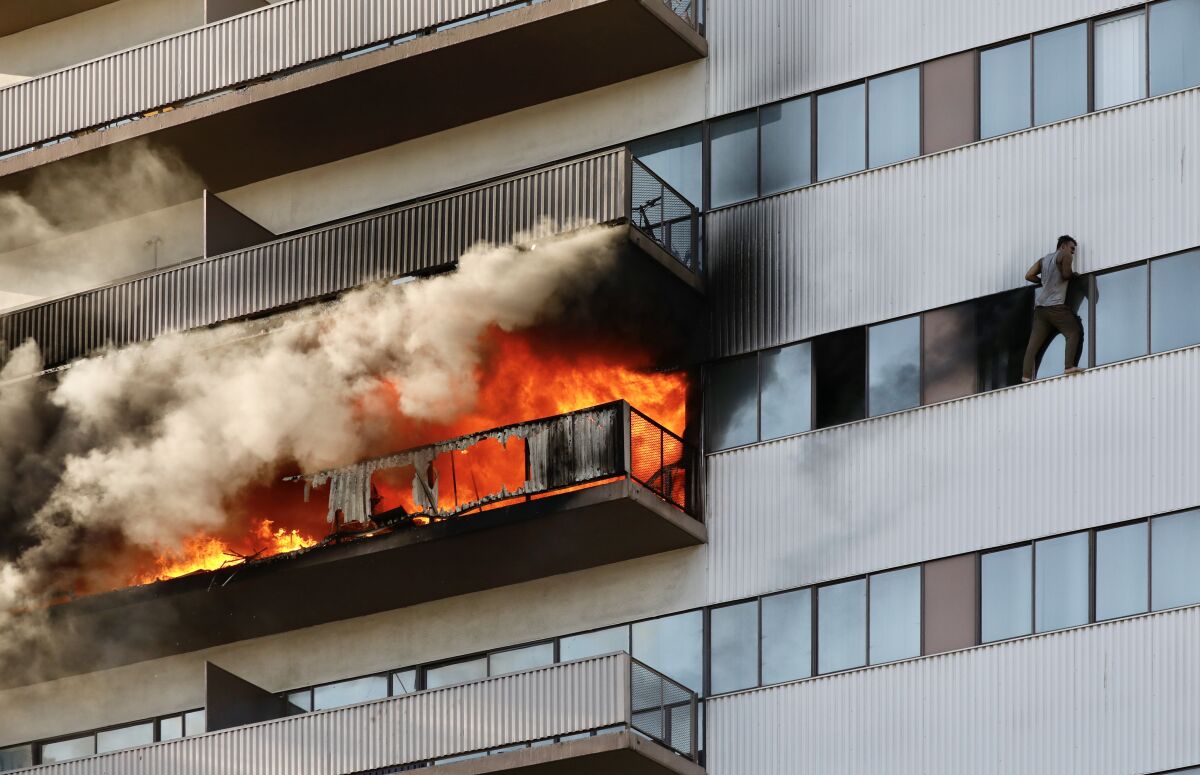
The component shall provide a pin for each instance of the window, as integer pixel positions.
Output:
(1120, 54)
(1174, 314)
(1174, 56)
(734, 149)
(456, 672)
(786, 390)
(194, 723)
(678, 158)
(16, 757)
(674, 646)
(299, 702)
(787, 636)
(1121, 314)
(1175, 574)
(1006, 593)
(1060, 74)
(352, 692)
(895, 117)
(171, 728)
(594, 644)
(514, 660)
(949, 96)
(66, 750)
(733, 634)
(786, 145)
(1004, 81)
(894, 351)
(125, 737)
(1122, 560)
(839, 361)
(948, 353)
(1002, 325)
(842, 626)
(895, 615)
(1062, 582)
(404, 682)
(841, 132)
(732, 403)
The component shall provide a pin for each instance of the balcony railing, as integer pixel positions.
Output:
(412, 238)
(544, 705)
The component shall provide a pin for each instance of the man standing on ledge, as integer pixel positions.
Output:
(1053, 273)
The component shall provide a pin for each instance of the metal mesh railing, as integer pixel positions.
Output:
(662, 709)
(663, 214)
(661, 461)
(688, 10)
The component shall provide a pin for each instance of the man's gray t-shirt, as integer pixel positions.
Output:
(1054, 287)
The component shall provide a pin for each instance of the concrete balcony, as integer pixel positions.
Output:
(391, 71)
(17, 15)
(603, 714)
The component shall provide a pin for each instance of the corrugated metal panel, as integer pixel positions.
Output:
(1111, 699)
(557, 700)
(208, 59)
(956, 225)
(763, 50)
(1115, 443)
(419, 236)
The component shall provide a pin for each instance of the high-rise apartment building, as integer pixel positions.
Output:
(842, 537)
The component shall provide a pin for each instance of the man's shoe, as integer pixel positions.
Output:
(1073, 370)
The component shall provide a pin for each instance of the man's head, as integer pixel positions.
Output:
(1067, 242)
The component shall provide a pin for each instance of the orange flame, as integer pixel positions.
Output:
(206, 552)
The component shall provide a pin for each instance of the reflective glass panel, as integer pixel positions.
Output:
(1174, 569)
(1121, 314)
(125, 737)
(170, 728)
(1120, 52)
(371, 687)
(1174, 53)
(786, 145)
(841, 132)
(404, 682)
(1062, 585)
(895, 117)
(787, 636)
(734, 149)
(66, 750)
(734, 644)
(1006, 593)
(896, 615)
(1174, 290)
(842, 626)
(458, 672)
(593, 644)
(894, 352)
(299, 702)
(1004, 89)
(1122, 571)
(16, 757)
(678, 158)
(511, 661)
(786, 390)
(732, 403)
(193, 723)
(1060, 74)
(674, 646)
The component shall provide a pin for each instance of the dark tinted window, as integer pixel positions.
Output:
(787, 636)
(674, 646)
(1060, 77)
(895, 117)
(678, 158)
(732, 403)
(1121, 313)
(1004, 89)
(1006, 593)
(1174, 311)
(1062, 583)
(786, 390)
(734, 148)
(841, 132)
(1122, 571)
(1002, 325)
(1175, 571)
(842, 626)
(786, 145)
(840, 365)
(894, 350)
(895, 615)
(948, 353)
(1174, 53)
(734, 643)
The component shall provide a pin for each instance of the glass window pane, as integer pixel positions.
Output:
(1174, 571)
(949, 356)
(674, 646)
(734, 634)
(594, 644)
(734, 159)
(894, 352)
(1002, 326)
(66, 750)
(1121, 313)
(1062, 582)
(194, 722)
(1060, 77)
(1006, 593)
(1004, 89)
(842, 626)
(299, 702)
(404, 682)
(895, 615)
(732, 403)
(841, 132)
(1174, 313)
(787, 636)
(15, 757)
(786, 390)
(371, 687)
(1120, 59)
(676, 157)
(786, 145)
(895, 115)
(513, 660)
(125, 737)
(170, 728)
(1122, 572)
(455, 673)
(1174, 55)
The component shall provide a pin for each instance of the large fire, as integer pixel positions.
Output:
(206, 552)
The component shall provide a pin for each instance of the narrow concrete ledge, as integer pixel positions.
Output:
(623, 752)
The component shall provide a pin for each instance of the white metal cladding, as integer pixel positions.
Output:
(557, 700)
(310, 265)
(210, 58)
(1114, 443)
(764, 50)
(1109, 699)
(956, 225)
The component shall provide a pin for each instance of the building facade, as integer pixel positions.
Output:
(894, 556)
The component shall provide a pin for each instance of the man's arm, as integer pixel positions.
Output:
(1065, 264)
(1034, 275)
